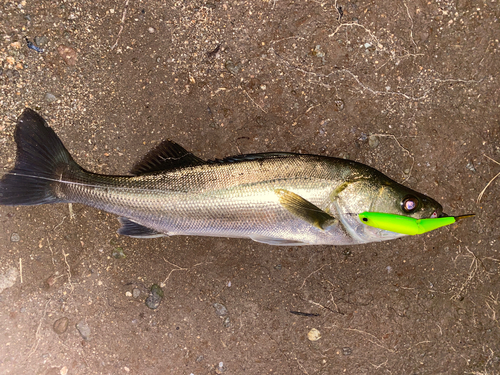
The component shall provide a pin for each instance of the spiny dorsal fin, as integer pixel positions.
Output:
(304, 209)
(167, 155)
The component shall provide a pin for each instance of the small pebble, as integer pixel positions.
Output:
(200, 358)
(227, 322)
(220, 309)
(470, 167)
(61, 325)
(314, 335)
(64, 370)
(233, 68)
(84, 330)
(128, 294)
(220, 368)
(14, 237)
(68, 54)
(8, 278)
(346, 351)
(51, 280)
(155, 296)
(136, 293)
(41, 40)
(317, 51)
(50, 97)
(15, 74)
(339, 105)
(151, 30)
(373, 141)
(118, 253)
(16, 45)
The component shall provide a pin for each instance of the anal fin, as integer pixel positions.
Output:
(305, 210)
(277, 241)
(132, 229)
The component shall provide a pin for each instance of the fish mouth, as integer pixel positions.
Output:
(437, 214)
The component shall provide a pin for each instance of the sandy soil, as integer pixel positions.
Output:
(410, 88)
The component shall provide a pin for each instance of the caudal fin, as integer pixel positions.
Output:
(41, 158)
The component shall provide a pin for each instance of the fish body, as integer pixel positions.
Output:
(274, 198)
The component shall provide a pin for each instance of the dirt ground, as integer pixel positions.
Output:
(408, 87)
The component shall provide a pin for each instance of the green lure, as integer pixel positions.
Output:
(406, 225)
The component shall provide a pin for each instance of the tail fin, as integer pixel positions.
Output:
(41, 158)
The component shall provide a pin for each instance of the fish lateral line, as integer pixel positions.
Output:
(96, 186)
(407, 225)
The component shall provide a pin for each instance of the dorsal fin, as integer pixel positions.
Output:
(167, 155)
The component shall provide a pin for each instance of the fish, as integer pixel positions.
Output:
(276, 198)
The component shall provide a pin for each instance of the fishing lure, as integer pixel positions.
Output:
(406, 225)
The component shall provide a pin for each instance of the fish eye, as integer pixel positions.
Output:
(409, 203)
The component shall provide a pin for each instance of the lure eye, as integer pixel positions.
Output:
(409, 203)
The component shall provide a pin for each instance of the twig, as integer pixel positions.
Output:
(440, 329)
(71, 214)
(351, 24)
(377, 342)
(322, 306)
(301, 367)
(69, 269)
(404, 149)
(21, 269)
(312, 273)
(37, 333)
(376, 92)
(308, 110)
(62, 221)
(489, 183)
(253, 101)
(51, 251)
(411, 24)
(122, 23)
(379, 366)
(474, 266)
(171, 271)
(178, 268)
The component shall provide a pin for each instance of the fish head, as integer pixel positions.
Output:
(378, 193)
(394, 198)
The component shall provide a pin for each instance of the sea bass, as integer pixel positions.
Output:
(275, 198)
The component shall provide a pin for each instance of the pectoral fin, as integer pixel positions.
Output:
(304, 209)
